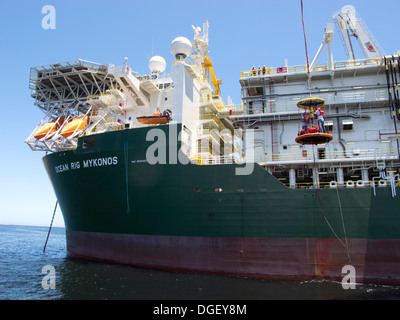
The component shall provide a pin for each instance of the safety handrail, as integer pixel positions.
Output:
(303, 68)
(370, 154)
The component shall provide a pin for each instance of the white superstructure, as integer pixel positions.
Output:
(359, 112)
(362, 109)
(112, 98)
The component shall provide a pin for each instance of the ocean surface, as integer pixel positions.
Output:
(22, 278)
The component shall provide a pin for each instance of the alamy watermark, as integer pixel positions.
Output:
(349, 280)
(49, 280)
(49, 20)
(157, 152)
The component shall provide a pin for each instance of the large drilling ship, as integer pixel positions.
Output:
(296, 182)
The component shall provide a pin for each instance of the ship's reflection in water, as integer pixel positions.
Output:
(78, 279)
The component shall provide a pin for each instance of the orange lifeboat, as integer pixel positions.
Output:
(75, 125)
(49, 128)
(46, 129)
(156, 118)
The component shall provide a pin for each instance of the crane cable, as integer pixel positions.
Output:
(345, 244)
(305, 44)
(305, 38)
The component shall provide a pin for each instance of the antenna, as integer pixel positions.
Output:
(206, 25)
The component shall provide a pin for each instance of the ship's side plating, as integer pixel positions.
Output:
(119, 208)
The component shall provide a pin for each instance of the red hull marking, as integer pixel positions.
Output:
(375, 261)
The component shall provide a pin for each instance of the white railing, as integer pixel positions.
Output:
(303, 68)
(329, 156)
(289, 105)
(301, 156)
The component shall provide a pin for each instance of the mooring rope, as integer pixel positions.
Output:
(343, 224)
(51, 225)
(345, 244)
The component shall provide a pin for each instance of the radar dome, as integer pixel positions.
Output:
(181, 48)
(157, 64)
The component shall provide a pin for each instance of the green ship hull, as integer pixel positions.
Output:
(117, 207)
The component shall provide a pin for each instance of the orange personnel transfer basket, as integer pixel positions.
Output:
(312, 134)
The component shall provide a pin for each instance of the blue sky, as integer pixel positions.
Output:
(242, 34)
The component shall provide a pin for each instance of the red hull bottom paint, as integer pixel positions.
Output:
(375, 260)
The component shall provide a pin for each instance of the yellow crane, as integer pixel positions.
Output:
(208, 69)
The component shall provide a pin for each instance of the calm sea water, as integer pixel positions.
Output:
(22, 260)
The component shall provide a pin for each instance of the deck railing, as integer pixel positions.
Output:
(349, 64)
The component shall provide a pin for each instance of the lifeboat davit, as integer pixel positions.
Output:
(156, 118)
(75, 125)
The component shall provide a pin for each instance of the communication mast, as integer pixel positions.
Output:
(200, 46)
